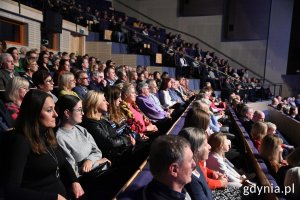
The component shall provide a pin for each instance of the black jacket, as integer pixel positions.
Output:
(106, 136)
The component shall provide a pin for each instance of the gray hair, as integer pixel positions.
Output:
(3, 58)
(195, 136)
(12, 89)
(140, 86)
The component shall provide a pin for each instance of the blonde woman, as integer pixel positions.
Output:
(258, 132)
(15, 91)
(111, 144)
(30, 67)
(271, 151)
(66, 82)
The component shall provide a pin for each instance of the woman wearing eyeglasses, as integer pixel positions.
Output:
(43, 80)
(79, 146)
(66, 82)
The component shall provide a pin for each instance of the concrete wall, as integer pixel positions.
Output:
(209, 28)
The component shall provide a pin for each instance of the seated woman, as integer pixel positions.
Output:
(271, 151)
(198, 188)
(217, 161)
(137, 121)
(63, 67)
(15, 91)
(79, 146)
(164, 95)
(258, 132)
(30, 68)
(112, 144)
(36, 165)
(43, 80)
(113, 96)
(200, 119)
(66, 82)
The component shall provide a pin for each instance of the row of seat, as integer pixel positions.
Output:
(133, 188)
(292, 131)
(264, 176)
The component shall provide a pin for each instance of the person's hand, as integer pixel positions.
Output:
(59, 197)
(224, 182)
(220, 124)
(132, 140)
(170, 111)
(103, 160)
(87, 166)
(104, 82)
(77, 190)
(151, 128)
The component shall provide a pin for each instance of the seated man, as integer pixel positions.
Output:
(150, 108)
(171, 164)
(175, 94)
(82, 81)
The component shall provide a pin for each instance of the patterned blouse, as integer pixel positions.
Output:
(137, 121)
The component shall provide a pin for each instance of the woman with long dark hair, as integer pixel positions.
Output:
(36, 164)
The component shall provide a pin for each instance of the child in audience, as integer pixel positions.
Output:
(217, 161)
(271, 151)
(258, 132)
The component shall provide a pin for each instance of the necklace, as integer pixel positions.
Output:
(55, 159)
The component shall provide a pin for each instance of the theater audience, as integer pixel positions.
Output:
(171, 164)
(15, 91)
(43, 80)
(36, 164)
(79, 146)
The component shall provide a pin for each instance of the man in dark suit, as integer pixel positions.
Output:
(7, 71)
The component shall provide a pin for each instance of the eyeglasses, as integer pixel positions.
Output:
(84, 78)
(49, 81)
(80, 110)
